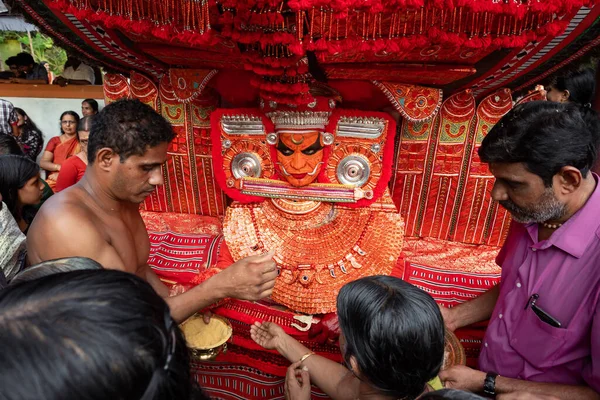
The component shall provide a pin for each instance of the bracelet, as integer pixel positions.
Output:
(304, 357)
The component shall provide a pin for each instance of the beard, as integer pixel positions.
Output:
(547, 208)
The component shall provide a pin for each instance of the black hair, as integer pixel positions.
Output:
(93, 103)
(450, 394)
(12, 61)
(395, 331)
(24, 59)
(580, 84)
(545, 136)
(71, 113)
(90, 335)
(85, 124)
(28, 124)
(128, 127)
(9, 145)
(15, 171)
(51, 267)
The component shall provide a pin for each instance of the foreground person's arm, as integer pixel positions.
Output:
(73, 234)
(473, 311)
(251, 278)
(464, 378)
(332, 378)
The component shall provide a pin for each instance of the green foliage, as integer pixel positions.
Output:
(43, 46)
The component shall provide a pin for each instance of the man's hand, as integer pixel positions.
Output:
(60, 81)
(327, 330)
(464, 378)
(448, 316)
(268, 335)
(297, 383)
(251, 278)
(18, 80)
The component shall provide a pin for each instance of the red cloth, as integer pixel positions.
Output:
(71, 172)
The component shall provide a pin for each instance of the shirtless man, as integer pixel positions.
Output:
(99, 216)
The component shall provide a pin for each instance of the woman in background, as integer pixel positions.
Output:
(59, 148)
(20, 186)
(89, 107)
(29, 137)
(575, 87)
(73, 169)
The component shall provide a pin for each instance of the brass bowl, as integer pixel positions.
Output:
(206, 341)
(454, 353)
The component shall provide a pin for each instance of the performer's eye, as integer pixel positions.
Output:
(313, 148)
(283, 149)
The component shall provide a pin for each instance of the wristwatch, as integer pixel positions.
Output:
(489, 384)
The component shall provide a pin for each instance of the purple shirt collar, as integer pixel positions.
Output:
(575, 235)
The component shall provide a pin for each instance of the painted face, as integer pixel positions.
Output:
(300, 157)
(137, 177)
(524, 195)
(83, 140)
(68, 123)
(86, 109)
(31, 192)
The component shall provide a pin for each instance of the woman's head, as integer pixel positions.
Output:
(68, 122)
(83, 132)
(392, 334)
(22, 117)
(20, 183)
(90, 335)
(577, 87)
(89, 107)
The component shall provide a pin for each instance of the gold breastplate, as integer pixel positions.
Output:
(319, 247)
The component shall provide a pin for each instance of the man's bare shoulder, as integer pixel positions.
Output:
(66, 226)
(70, 205)
(65, 214)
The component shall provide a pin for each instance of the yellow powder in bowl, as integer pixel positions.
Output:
(199, 335)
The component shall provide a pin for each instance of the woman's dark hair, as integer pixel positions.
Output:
(71, 113)
(93, 103)
(15, 171)
(85, 124)
(450, 394)
(545, 136)
(90, 335)
(29, 126)
(580, 84)
(9, 145)
(395, 331)
(128, 127)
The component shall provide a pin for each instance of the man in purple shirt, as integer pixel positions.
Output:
(544, 331)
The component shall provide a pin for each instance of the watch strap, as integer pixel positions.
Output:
(489, 384)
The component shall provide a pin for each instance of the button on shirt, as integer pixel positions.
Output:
(564, 271)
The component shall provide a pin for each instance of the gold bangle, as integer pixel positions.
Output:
(304, 357)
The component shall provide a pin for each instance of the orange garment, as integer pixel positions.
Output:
(62, 151)
(71, 172)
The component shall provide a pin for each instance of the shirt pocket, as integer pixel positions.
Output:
(536, 341)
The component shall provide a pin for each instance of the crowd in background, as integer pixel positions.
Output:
(23, 69)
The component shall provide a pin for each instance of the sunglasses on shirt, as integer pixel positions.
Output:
(542, 315)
